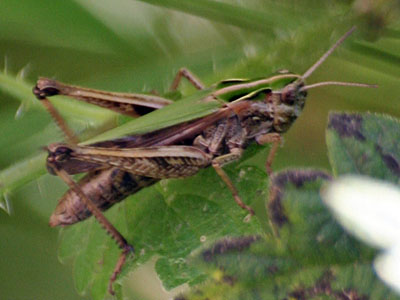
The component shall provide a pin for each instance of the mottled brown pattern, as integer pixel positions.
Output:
(104, 188)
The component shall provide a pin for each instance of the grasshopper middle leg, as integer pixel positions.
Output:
(217, 164)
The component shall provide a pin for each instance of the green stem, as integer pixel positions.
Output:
(22, 173)
(222, 12)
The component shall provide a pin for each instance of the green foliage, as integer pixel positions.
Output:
(310, 256)
(133, 46)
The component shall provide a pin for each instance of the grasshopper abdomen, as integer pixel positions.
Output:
(104, 188)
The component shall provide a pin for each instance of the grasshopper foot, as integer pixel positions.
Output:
(118, 267)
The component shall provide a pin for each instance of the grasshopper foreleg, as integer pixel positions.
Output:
(183, 72)
(111, 230)
(275, 139)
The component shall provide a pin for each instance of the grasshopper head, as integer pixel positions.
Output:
(293, 96)
(58, 155)
(63, 156)
(287, 104)
(289, 100)
(59, 152)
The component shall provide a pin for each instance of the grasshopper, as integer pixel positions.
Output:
(227, 117)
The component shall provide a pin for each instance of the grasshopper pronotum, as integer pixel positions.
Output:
(243, 111)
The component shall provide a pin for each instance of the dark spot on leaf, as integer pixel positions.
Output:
(346, 125)
(277, 188)
(390, 160)
(322, 287)
(230, 280)
(347, 294)
(229, 244)
(273, 269)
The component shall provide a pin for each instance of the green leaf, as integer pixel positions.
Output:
(304, 225)
(367, 144)
(246, 268)
(309, 257)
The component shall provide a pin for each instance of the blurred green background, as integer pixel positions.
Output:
(136, 46)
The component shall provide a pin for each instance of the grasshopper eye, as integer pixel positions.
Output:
(288, 95)
(62, 153)
(289, 98)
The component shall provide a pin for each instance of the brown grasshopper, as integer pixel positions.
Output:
(245, 111)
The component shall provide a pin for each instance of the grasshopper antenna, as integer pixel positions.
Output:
(327, 54)
(311, 86)
(323, 58)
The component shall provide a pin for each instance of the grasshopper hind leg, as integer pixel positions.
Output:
(118, 267)
(111, 230)
(183, 72)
